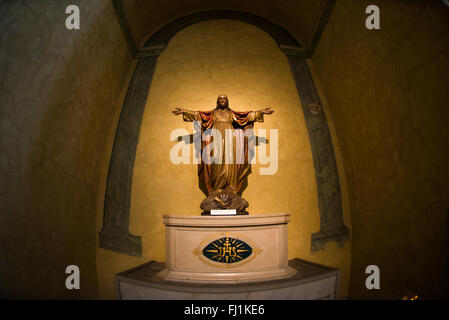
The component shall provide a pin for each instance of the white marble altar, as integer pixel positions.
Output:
(226, 249)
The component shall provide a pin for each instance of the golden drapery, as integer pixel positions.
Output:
(231, 171)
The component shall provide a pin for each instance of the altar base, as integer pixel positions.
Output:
(226, 249)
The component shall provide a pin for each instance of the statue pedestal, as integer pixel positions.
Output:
(226, 249)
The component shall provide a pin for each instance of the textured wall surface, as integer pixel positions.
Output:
(202, 61)
(388, 93)
(60, 96)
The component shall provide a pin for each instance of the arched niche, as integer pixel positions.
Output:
(115, 233)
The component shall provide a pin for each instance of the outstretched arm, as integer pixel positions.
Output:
(246, 117)
(187, 115)
(266, 111)
(178, 111)
(257, 116)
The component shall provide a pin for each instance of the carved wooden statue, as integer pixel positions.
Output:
(226, 153)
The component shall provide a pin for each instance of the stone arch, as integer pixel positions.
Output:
(115, 233)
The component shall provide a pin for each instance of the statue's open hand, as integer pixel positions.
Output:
(267, 111)
(178, 111)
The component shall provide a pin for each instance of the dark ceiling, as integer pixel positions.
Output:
(303, 19)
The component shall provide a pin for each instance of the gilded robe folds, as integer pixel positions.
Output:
(233, 164)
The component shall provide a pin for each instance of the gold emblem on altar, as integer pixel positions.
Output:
(227, 250)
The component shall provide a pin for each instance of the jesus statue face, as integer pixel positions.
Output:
(222, 101)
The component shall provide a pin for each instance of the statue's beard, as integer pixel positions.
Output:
(222, 106)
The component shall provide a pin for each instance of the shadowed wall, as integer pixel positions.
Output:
(388, 92)
(60, 95)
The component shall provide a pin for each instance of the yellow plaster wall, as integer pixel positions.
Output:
(60, 91)
(200, 62)
(387, 91)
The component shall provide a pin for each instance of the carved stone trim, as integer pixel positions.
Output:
(115, 234)
(332, 227)
(339, 235)
(294, 51)
(121, 16)
(321, 24)
(120, 241)
(155, 50)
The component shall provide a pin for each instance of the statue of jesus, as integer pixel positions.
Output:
(225, 155)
